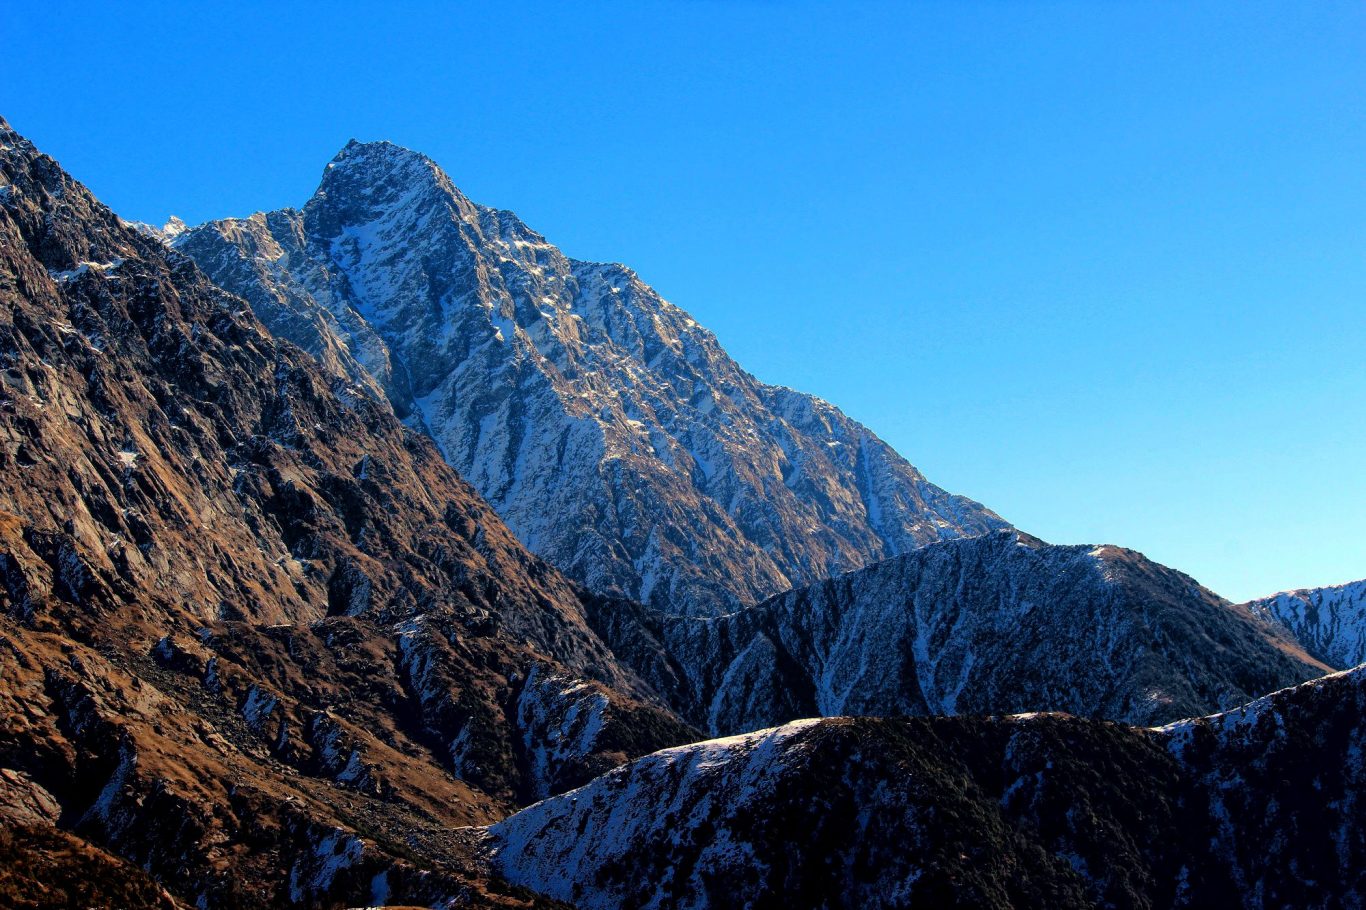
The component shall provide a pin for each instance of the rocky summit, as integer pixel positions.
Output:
(609, 430)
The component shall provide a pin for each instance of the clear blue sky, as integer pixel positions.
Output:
(1100, 265)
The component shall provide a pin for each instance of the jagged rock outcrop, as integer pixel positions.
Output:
(1329, 622)
(1257, 808)
(610, 431)
(993, 624)
(259, 640)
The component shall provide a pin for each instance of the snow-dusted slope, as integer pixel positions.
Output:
(609, 429)
(992, 624)
(1259, 808)
(1329, 622)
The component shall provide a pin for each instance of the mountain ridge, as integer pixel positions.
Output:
(985, 625)
(265, 647)
(1329, 621)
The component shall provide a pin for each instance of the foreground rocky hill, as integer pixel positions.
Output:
(1329, 622)
(610, 430)
(259, 640)
(987, 625)
(1257, 808)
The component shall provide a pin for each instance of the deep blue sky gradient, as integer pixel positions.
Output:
(1099, 265)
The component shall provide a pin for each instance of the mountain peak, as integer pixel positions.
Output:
(153, 427)
(382, 153)
(736, 490)
(367, 179)
(1330, 621)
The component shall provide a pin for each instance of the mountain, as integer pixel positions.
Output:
(609, 430)
(1257, 808)
(264, 647)
(260, 641)
(1329, 622)
(987, 625)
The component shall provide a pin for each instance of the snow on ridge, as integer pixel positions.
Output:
(167, 233)
(1329, 622)
(1345, 587)
(1251, 712)
(714, 748)
(689, 785)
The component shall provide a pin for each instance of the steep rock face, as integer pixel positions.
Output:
(993, 624)
(260, 640)
(1329, 622)
(1258, 808)
(611, 432)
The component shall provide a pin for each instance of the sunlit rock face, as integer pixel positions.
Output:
(609, 430)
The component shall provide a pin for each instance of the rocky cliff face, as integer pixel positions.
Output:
(610, 431)
(1259, 808)
(993, 624)
(1329, 622)
(260, 640)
